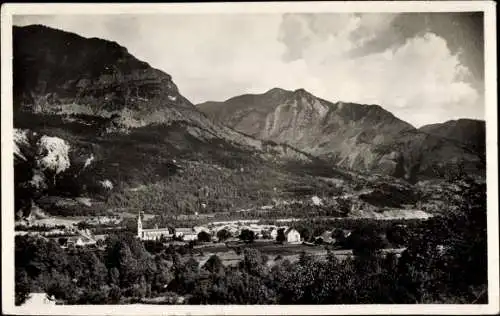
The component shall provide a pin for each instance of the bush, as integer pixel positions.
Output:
(203, 236)
(223, 234)
(247, 235)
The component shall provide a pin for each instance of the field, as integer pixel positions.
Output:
(232, 254)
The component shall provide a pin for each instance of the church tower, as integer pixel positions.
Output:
(139, 225)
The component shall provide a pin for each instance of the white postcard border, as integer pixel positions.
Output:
(488, 7)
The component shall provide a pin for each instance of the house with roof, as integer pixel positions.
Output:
(187, 234)
(292, 236)
(80, 241)
(326, 237)
(347, 232)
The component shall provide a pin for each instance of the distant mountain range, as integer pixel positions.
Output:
(360, 137)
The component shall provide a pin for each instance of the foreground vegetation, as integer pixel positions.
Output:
(445, 262)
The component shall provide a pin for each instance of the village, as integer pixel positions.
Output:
(227, 239)
(69, 234)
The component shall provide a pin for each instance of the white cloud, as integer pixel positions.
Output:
(215, 57)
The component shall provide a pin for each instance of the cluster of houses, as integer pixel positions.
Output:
(71, 236)
(99, 220)
(233, 228)
(65, 236)
(186, 234)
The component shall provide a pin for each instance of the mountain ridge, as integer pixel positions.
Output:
(353, 136)
(306, 122)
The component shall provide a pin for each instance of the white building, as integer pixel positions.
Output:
(274, 233)
(80, 241)
(186, 234)
(292, 236)
(199, 229)
(153, 233)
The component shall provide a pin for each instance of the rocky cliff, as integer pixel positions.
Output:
(64, 73)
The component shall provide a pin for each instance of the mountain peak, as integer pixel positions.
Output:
(277, 90)
(302, 92)
(301, 95)
(89, 76)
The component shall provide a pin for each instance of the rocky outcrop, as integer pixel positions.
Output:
(63, 73)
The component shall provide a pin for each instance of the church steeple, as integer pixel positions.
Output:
(139, 225)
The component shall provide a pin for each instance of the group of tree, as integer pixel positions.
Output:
(445, 262)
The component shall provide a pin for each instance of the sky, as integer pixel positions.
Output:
(423, 67)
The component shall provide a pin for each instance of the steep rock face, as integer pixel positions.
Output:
(345, 133)
(64, 73)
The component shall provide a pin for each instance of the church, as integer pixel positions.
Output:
(152, 233)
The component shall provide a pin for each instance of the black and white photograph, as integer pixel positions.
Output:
(250, 158)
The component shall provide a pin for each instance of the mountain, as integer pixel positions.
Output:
(345, 133)
(463, 141)
(117, 120)
(365, 138)
(468, 132)
(97, 130)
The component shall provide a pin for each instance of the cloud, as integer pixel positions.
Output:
(414, 65)
(419, 79)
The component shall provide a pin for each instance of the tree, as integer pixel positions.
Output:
(127, 265)
(185, 275)
(305, 233)
(213, 264)
(247, 235)
(254, 262)
(114, 276)
(365, 241)
(280, 237)
(397, 235)
(61, 287)
(344, 206)
(22, 287)
(223, 234)
(115, 294)
(203, 236)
